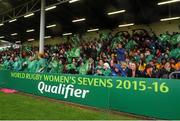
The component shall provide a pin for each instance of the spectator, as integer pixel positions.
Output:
(165, 71)
(106, 70)
(41, 64)
(133, 71)
(148, 73)
(143, 55)
(123, 69)
(32, 66)
(115, 71)
(120, 53)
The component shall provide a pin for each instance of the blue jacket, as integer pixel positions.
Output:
(120, 54)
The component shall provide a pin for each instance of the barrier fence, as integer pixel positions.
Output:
(157, 98)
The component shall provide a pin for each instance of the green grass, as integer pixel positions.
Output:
(18, 106)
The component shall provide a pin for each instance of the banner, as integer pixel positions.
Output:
(157, 98)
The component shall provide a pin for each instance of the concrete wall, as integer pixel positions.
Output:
(161, 27)
(158, 28)
(51, 41)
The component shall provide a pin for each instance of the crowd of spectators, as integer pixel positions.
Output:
(122, 54)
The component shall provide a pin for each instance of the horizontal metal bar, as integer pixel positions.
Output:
(26, 4)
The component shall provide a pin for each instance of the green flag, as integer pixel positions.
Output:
(117, 39)
(164, 38)
(75, 53)
(75, 40)
(130, 45)
(175, 39)
(175, 53)
(84, 68)
(103, 36)
(70, 66)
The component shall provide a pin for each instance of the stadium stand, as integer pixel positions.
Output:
(121, 54)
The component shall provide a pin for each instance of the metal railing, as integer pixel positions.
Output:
(174, 75)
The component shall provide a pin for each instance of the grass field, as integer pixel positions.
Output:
(20, 106)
